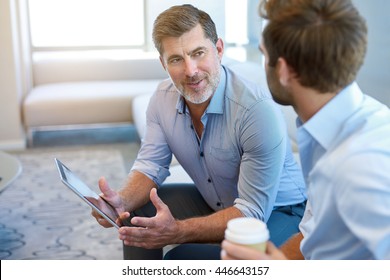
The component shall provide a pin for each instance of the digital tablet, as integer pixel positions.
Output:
(85, 193)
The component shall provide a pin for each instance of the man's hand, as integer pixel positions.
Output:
(151, 233)
(231, 251)
(113, 198)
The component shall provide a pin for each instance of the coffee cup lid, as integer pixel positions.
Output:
(246, 231)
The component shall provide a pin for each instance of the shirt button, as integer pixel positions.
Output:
(219, 204)
(201, 154)
(209, 180)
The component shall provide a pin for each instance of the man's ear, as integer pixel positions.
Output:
(220, 47)
(163, 63)
(284, 71)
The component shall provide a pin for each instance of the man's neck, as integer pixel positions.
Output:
(307, 102)
(196, 112)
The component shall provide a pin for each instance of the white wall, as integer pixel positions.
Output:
(11, 129)
(374, 77)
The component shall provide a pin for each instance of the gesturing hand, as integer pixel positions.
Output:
(154, 232)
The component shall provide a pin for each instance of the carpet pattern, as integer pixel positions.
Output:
(42, 219)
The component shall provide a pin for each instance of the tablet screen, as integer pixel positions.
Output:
(86, 193)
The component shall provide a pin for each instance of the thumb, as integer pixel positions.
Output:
(105, 188)
(156, 200)
(271, 247)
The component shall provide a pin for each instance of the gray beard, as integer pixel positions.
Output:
(201, 98)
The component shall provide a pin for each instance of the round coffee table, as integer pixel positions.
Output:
(10, 169)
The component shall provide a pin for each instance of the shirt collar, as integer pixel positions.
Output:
(327, 123)
(216, 103)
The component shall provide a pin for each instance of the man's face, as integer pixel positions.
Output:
(193, 63)
(279, 93)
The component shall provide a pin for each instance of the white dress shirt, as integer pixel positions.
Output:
(346, 164)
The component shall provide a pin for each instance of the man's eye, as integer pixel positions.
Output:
(199, 53)
(174, 60)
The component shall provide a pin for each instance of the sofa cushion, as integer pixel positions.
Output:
(77, 103)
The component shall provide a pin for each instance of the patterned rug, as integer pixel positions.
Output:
(42, 219)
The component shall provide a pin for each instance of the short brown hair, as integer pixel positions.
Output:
(324, 41)
(178, 20)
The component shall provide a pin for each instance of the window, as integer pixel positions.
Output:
(110, 25)
(86, 23)
(236, 24)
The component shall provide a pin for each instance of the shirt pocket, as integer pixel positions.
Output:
(224, 162)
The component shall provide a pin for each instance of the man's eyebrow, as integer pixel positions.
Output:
(174, 56)
(201, 48)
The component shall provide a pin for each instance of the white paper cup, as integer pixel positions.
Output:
(249, 232)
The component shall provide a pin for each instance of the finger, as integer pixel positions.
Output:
(103, 222)
(271, 247)
(123, 220)
(241, 252)
(139, 237)
(156, 200)
(105, 188)
(225, 255)
(95, 214)
(273, 252)
(133, 234)
(124, 215)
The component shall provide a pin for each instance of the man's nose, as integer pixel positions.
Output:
(191, 67)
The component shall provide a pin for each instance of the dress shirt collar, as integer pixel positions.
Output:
(327, 123)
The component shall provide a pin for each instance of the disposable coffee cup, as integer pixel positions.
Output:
(249, 232)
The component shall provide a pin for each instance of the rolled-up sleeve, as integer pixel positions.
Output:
(154, 156)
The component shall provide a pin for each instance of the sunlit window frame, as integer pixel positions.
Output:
(86, 47)
(148, 46)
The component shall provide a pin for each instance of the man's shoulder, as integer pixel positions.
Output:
(361, 146)
(165, 89)
(244, 91)
(164, 96)
(165, 85)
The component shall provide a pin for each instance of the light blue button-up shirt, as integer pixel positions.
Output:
(346, 161)
(244, 157)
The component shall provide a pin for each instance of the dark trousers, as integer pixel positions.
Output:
(185, 201)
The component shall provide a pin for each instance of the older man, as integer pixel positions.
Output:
(228, 135)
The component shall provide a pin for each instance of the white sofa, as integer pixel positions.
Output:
(89, 91)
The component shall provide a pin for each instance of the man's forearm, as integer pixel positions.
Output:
(206, 229)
